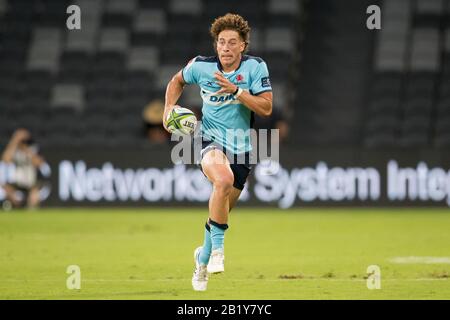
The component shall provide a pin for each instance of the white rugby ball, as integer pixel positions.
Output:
(181, 121)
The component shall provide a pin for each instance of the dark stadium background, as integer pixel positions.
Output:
(349, 100)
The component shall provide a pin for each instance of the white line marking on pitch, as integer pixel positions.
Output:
(420, 260)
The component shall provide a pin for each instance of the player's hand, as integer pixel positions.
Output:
(167, 111)
(226, 85)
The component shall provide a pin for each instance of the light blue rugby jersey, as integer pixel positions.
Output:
(222, 112)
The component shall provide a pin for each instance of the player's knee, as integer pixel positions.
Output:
(224, 184)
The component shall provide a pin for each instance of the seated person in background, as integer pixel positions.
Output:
(22, 152)
(152, 116)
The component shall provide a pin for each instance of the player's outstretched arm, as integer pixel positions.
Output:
(173, 93)
(260, 104)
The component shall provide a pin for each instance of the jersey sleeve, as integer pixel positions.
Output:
(190, 72)
(260, 79)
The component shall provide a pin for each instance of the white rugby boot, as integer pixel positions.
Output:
(200, 276)
(216, 261)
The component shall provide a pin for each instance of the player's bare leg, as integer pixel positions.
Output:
(216, 167)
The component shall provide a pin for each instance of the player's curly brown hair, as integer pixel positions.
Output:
(234, 22)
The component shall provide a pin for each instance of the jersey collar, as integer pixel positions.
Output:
(219, 65)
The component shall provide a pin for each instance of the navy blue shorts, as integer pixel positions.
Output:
(239, 164)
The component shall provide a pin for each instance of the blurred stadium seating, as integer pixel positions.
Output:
(340, 83)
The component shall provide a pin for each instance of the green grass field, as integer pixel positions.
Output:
(270, 254)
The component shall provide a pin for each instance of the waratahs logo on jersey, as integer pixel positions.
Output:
(240, 79)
